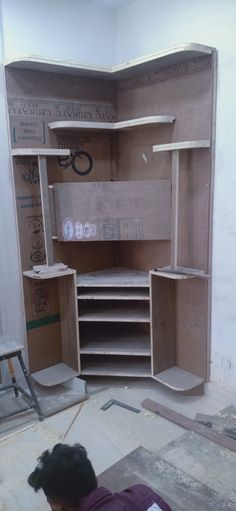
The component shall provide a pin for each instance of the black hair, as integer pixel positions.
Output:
(64, 474)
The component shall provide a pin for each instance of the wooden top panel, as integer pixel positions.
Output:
(165, 57)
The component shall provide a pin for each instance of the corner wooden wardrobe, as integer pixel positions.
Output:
(113, 172)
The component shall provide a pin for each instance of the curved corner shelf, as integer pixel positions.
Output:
(178, 146)
(112, 126)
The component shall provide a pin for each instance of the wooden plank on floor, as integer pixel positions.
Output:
(190, 424)
(177, 488)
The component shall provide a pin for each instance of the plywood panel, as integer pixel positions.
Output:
(69, 321)
(163, 327)
(142, 255)
(112, 211)
(194, 209)
(29, 211)
(84, 257)
(44, 347)
(187, 96)
(191, 326)
(42, 323)
(37, 98)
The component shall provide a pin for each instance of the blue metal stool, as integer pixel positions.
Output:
(8, 350)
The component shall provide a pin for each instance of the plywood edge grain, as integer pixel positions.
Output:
(165, 57)
(29, 151)
(113, 126)
(177, 146)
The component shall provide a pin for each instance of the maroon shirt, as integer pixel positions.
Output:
(135, 498)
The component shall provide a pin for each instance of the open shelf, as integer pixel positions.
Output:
(113, 294)
(103, 339)
(151, 120)
(176, 146)
(115, 366)
(116, 312)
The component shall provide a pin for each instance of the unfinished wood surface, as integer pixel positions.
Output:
(165, 57)
(118, 339)
(44, 276)
(178, 380)
(69, 321)
(174, 209)
(191, 326)
(46, 209)
(190, 424)
(30, 151)
(121, 346)
(142, 255)
(114, 294)
(174, 275)
(175, 486)
(129, 312)
(114, 277)
(113, 210)
(44, 347)
(177, 146)
(194, 272)
(163, 327)
(115, 366)
(54, 375)
(112, 126)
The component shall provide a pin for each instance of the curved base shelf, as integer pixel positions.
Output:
(179, 380)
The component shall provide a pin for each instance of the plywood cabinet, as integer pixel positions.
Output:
(113, 176)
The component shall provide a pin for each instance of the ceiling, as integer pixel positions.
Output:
(112, 4)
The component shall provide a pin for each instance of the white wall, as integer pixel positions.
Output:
(11, 298)
(150, 25)
(59, 29)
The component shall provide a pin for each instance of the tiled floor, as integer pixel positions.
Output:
(109, 435)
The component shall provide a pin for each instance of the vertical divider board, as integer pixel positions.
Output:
(69, 321)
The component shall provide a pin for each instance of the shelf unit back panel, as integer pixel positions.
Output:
(113, 210)
(184, 91)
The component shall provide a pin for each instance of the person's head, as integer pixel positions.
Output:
(66, 476)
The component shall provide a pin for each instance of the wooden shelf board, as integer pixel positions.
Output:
(54, 375)
(176, 146)
(179, 380)
(40, 152)
(172, 275)
(114, 277)
(176, 54)
(116, 315)
(43, 276)
(180, 272)
(105, 367)
(131, 345)
(115, 294)
(112, 126)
